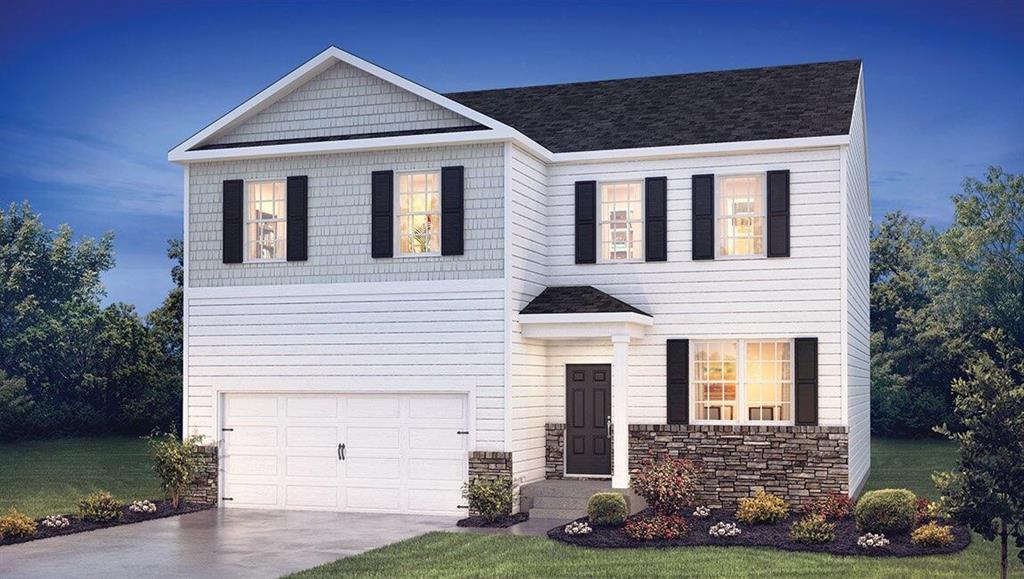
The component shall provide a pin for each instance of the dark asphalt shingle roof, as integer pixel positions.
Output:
(803, 100)
(578, 299)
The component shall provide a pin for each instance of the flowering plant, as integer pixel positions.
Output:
(872, 540)
(667, 484)
(56, 521)
(702, 512)
(142, 507)
(723, 529)
(578, 528)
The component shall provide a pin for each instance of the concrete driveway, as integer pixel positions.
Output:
(214, 543)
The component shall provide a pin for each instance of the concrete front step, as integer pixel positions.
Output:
(560, 514)
(566, 488)
(566, 498)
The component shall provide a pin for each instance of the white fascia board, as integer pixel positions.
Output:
(585, 326)
(702, 149)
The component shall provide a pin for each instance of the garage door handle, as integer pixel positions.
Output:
(341, 452)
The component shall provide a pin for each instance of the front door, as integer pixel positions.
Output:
(588, 410)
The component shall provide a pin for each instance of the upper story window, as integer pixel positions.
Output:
(742, 381)
(741, 202)
(419, 213)
(621, 226)
(266, 224)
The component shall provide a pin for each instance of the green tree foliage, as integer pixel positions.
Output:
(68, 365)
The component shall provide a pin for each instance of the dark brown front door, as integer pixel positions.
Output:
(588, 406)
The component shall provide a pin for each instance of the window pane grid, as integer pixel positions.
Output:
(266, 223)
(621, 227)
(755, 376)
(741, 215)
(419, 213)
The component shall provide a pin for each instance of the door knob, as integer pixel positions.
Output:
(608, 426)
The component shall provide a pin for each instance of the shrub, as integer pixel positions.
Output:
(16, 524)
(607, 509)
(932, 535)
(174, 461)
(833, 506)
(872, 541)
(812, 529)
(492, 499)
(667, 484)
(657, 526)
(100, 507)
(886, 511)
(929, 510)
(762, 508)
(724, 530)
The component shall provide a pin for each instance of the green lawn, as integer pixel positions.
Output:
(894, 464)
(45, 477)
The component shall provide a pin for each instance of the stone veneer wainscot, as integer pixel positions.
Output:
(203, 490)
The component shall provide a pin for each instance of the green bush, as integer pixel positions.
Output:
(932, 535)
(812, 529)
(886, 511)
(100, 507)
(762, 508)
(607, 509)
(175, 462)
(16, 524)
(491, 499)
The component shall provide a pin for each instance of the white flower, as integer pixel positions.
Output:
(577, 528)
(872, 540)
(56, 521)
(702, 512)
(142, 507)
(724, 529)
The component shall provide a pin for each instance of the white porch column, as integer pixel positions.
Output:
(620, 411)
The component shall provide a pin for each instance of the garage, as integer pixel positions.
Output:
(345, 452)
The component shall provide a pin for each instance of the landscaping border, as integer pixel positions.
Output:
(501, 523)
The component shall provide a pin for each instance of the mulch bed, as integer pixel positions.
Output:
(502, 523)
(163, 509)
(775, 536)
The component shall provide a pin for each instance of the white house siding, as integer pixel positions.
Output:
(342, 100)
(858, 299)
(529, 381)
(436, 336)
(339, 218)
(780, 297)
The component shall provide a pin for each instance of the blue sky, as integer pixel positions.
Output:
(93, 95)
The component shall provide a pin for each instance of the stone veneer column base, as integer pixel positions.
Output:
(797, 463)
(491, 466)
(554, 450)
(203, 490)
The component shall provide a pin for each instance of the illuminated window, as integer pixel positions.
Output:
(419, 214)
(742, 381)
(740, 215)
(622, 221)
(266, 225)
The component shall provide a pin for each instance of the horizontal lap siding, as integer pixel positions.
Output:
(786, 297)
(345, 338)
(339, 218)
(858, 296)
(529, 385)
(343, 100)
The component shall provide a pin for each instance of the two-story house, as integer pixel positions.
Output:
(389, 291)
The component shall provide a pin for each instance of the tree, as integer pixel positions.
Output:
(166, 320)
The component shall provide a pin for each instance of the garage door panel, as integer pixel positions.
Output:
(251, 407)
(433, 500)
(438, 439)
(373, 498)
(250, 464)
(244, 494)
(252, 436)
(380, 468)
(312, 407)
(368, 437)
(311, 496)
(373, 407)
(312, 466)
(311, 436)
(439, 407)
(424, 469)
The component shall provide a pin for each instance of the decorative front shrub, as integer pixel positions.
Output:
(492, 499)
(812, 529)
(932, 535)
(833, 506)
(16, 524)
(657, 526)
(929, 511)
(667, 484)
(100, 507)
(55, 521)
(724, 530)
(872, 541)
(142, 507)
(762, 508)
(607, 509)
(701, 512)
(175, 462)
(578, 528)
(886, 511)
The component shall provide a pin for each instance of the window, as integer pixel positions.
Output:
(741, 200)
(742, 381)
(622, 221)
(419, 214)
(266, 225)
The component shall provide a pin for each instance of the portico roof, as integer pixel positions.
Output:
(567, 312)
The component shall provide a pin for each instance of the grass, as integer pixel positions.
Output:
(50, 476)
(895, 463)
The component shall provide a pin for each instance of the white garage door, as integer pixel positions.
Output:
(379, 453)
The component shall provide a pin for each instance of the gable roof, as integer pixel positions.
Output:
(578, 299)
(781, 102)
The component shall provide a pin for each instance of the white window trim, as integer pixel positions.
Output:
(246, 221)
(643, 222)
(741, 383)
(763, 175)
(396, 250)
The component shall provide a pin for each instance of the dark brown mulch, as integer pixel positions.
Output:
(501, 523)
(776, 536)
(163, 509)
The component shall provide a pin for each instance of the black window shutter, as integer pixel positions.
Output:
(381, 214)
(677, 376)
(452, 211)
(298, 218)
(232, 228)
(586, 221)
(703, 215)
(655, 214)
(778, 213)
(806, 375)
